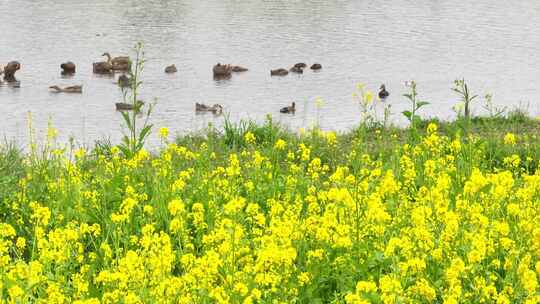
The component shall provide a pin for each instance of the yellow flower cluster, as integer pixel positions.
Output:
(290, 222)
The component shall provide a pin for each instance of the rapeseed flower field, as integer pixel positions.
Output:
(274, 218)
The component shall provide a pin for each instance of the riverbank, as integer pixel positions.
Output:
(259, 214)
(379, 141)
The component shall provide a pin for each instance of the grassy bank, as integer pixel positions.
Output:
(258, 214)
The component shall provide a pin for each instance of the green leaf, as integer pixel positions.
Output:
(144, 133)
(139, 146)
(127, 120)
(421, 104)
(124, 147)
(407, 114)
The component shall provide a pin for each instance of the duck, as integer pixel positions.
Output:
(215, 109)
(10, 69)
(279, 72)
(300, 65)
(68, 67)
(290, 109)
(124, 81)
(316, 66)
(383, 93)
(171, 69)
(102, 67)
(117, 60)
(122, 106)
(238, 68)
(297, 70)
(222, 70)
(70, 89)
(121, 63)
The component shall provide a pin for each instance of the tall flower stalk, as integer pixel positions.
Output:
(416, 104)
(134, 141)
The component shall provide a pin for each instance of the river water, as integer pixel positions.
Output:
(493, 44)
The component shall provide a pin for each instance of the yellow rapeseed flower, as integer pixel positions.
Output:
(163, 132)
(249, 138)
(280, 144)
(510, 139)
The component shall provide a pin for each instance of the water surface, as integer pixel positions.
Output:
(493, 44)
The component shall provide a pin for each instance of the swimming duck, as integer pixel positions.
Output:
(238, 68)
(68, 67)
(300, 65)
(316, 66)
(215, 109)
(117, 60)
(124, 81)
(290, 109)
(121, 63)
(279, 72)
(383, 93)
(297, 70)
(222, 70)
(70, 89)
(122, 106)
(171, 69)
(10, 69)
(102, 67)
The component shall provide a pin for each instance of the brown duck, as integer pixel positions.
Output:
(289, 110)
(215, 109)
(316, 66)
(222, 70)
(279, 72)
(68, 68)
(121, 63)
(124, 81)
(383, 93)
(122, 106)
(171, 69)
(10, 69)
(70, 89)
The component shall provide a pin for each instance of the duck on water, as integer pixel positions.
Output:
(10, 69)
(171, 69)
(289, 109)
(124, 81)
(383, 93)
(222, 70)
(215, 109)
(122, 106)
(68, 68)
(279, 72)
(69, 89)
(121, 63)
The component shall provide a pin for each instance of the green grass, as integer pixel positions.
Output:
(381, 142)
(361, 188)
